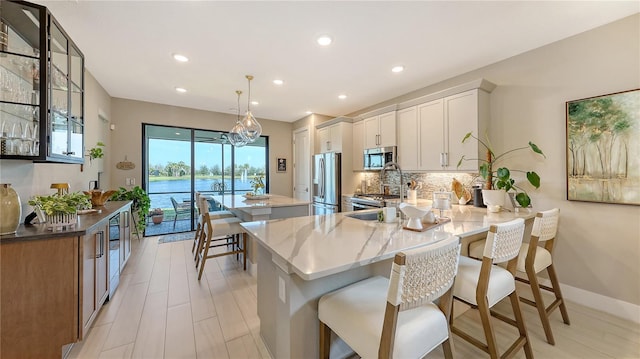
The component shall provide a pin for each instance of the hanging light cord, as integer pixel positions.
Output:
(249, 77)
(239, 93)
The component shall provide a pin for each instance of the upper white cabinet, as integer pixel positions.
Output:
(380, 130)
(358, 146)
(431, 133)
(408, 138)
(334, 137)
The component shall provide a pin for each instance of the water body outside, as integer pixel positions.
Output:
(163, 200)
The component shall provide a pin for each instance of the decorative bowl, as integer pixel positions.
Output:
(415, 215)
(99, 197)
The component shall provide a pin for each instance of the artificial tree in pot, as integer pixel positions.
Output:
(501, 178)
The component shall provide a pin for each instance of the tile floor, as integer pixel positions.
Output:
(161, 310)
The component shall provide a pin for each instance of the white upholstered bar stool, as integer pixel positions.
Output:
(204, 207)
(532, 260)
(384, 318)
(481, 284)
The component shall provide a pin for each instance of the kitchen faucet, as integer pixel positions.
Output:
(397, 167)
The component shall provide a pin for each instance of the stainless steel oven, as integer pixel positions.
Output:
(370, 201)
(362, 206)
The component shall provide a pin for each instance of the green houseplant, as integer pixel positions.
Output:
(97, 151)
(140, 206)
(500, 178)
(61, 203)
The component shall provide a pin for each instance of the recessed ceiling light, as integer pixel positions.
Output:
(342, 97)
(398, 68)
(178, 133)
(180, 89)
(255, 103)
(309, 112)
(324, 40)
(180, 58)
(278, 82)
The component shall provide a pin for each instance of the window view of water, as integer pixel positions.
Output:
(162, 191)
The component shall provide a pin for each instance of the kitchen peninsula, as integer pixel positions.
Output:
(305, 257)
(53, 283)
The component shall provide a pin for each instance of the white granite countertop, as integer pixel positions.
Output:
(318, 246)
(236, 201)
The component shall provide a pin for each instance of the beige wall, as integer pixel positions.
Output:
(29, 178)
(598, 246)
(128, 116)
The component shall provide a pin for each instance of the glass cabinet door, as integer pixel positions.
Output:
(19, 80)
(41, 87)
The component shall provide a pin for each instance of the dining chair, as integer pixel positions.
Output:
(179, 208)
(395, 317)
(481, 284)
(533, 259)
(219, 237)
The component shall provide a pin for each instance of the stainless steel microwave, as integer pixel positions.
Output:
(375, 158)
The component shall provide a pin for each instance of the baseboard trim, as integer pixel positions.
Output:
(613, 306)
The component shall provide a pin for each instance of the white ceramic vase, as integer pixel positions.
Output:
(10, 209)
(493, 199)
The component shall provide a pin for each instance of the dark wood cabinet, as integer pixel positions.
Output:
(53, 283)
(95, 275)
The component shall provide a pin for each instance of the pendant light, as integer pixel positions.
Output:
(252, 129)
(235, 136)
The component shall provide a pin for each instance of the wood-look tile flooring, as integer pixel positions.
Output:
(161, 310)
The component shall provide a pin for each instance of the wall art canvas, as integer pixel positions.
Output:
(603, 148)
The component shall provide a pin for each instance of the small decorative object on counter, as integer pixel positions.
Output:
(463, 194)
(99, 197)
(10, 209)
(442, 201)
(258, 185)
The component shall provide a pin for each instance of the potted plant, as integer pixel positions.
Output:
(59, 210)
(500, 179)
(139, 207)
(157, 215)
(97, 151)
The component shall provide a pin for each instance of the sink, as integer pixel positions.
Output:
(369, 216)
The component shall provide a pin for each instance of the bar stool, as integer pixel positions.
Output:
(532, 260)
(409, 325)
(481, 284)
(219, 233)
(213, 215)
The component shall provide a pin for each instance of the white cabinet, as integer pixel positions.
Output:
(358, 146)
(334, 138)
(408, 138)
(430, 134)
(380, 131)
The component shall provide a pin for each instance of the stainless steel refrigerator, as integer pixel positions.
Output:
(326, 183)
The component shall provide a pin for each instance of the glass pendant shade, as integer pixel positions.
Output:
(235, 136)
(252, 129)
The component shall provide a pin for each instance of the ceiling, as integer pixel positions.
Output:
(128, 47)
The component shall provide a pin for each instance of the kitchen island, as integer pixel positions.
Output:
(303, 258)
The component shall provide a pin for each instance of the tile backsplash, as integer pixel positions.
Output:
(431, 182)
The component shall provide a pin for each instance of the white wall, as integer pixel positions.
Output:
(598, 248)
(29, 178)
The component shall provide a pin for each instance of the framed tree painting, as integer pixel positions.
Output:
(603, 148)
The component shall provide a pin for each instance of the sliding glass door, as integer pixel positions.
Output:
(181, 161)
